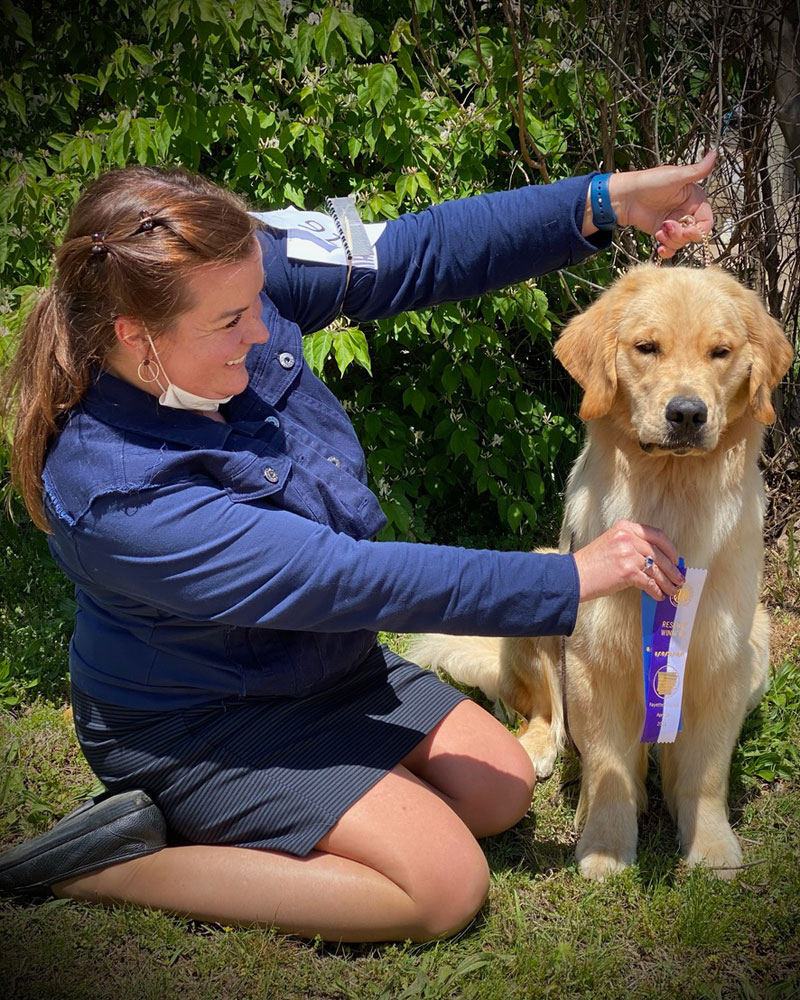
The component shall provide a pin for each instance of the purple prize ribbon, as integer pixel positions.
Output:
(656, 639)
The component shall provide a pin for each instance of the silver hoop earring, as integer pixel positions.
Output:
(146, 366)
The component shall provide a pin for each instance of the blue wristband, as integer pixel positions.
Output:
(603, 216)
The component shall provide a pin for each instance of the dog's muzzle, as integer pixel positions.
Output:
(685, 419)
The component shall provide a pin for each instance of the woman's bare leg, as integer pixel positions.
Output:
(401, 863)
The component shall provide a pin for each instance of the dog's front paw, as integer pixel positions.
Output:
(538, 742)
(597, 859)
(543, 765)
(721, 854)
(599, 865)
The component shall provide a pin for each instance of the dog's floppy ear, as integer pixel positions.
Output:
(772, 355)
(587, 349)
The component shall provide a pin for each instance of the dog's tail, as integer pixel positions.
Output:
(473, 660)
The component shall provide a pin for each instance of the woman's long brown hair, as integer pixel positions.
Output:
(134, 237)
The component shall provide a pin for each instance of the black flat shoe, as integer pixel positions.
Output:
(99, 833)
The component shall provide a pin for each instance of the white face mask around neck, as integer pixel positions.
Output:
(181, 399)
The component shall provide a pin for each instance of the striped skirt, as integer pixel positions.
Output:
(274, 773)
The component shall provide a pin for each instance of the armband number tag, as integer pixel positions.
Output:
(313, 237)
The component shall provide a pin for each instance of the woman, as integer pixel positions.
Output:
(206, 494)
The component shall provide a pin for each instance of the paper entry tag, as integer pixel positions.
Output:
(315, 237)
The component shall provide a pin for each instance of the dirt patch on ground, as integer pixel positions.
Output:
(781, 595)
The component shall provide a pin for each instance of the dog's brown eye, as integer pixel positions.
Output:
(647, 347)
(720, 352)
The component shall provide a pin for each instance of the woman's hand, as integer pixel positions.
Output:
(655, 200)
(628, 555)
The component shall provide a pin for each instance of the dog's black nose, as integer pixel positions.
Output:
(686, 413)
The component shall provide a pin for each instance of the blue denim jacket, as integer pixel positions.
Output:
(214, 560)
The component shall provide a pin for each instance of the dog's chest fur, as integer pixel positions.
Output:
(710, 506)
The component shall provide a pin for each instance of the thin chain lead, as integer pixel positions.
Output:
(689, 220)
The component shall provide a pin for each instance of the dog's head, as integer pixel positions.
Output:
(675, 355)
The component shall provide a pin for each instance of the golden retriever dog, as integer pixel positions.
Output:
(677, 366)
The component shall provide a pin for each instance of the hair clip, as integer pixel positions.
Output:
(146, 223)
(98, 243)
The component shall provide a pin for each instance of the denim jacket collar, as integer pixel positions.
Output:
(119, 404)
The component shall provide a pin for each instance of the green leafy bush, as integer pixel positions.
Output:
(36, 615)
(768, 749)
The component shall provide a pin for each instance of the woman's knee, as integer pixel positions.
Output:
(448, 902)
(519, 781)
(480, 768)
(504, 792)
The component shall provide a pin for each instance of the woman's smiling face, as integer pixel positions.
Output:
(204, 349)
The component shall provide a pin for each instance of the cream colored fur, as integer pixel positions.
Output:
(709, 501)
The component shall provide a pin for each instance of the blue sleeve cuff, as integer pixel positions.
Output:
(571, 614)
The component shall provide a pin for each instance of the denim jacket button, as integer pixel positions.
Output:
(334, 460)
(270, 474)
(273, 420)
(286, 360)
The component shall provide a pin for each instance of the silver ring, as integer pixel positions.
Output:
(648, 563)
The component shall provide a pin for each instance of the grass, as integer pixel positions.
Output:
(656, 931)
